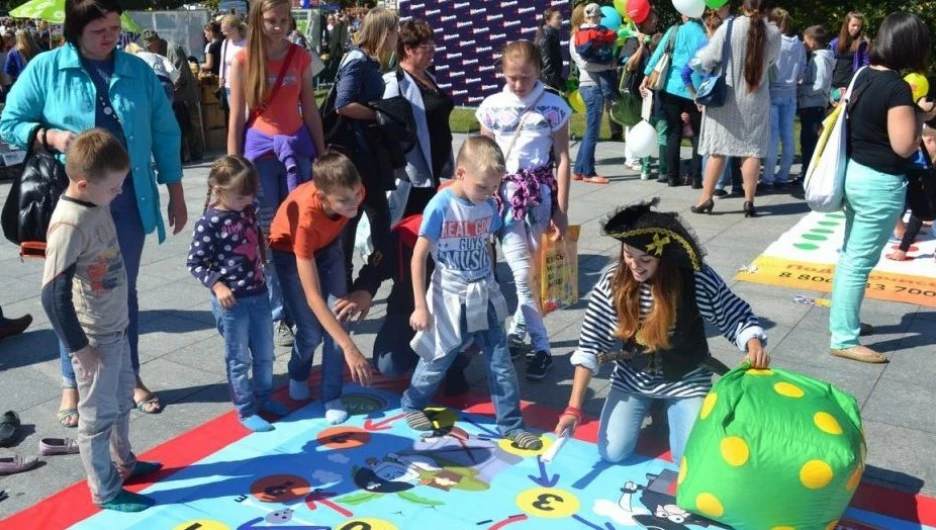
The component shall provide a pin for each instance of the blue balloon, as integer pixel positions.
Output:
(610, 18)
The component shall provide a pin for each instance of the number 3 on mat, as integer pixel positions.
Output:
(550, 503)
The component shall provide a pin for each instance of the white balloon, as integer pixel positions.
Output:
(690, 8)
(642, 139)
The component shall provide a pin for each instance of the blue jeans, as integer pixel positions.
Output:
(502, 379)
(130, 237)
(248, 342)
(873, 203)
(329, 262)
(782, 115)
(594, 103)
(622, 417)
(272, 193)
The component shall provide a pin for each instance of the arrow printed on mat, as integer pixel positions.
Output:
(381, 425)
(586, 522)
(485, 430)
(510, 520)
(322, 497)
(543, 479)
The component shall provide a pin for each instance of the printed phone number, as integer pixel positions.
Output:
(871, 286)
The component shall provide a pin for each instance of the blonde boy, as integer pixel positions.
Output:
(84, 292)
(464, 302)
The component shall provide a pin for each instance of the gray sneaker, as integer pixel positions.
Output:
(283, 335)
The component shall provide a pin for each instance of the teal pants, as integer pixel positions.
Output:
(874, 202)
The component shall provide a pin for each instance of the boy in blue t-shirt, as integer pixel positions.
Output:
(464, 302)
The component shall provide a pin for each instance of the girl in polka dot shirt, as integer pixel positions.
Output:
(226, 256)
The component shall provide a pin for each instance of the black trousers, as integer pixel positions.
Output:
(673, 108)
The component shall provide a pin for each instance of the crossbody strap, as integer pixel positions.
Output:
(523, 118)
(726, 46)
(256, 113)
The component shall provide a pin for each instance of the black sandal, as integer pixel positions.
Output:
(9, 428)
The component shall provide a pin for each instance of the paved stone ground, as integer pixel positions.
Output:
(181, 350)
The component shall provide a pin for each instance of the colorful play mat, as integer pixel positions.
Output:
(374, 473)
(805, 257)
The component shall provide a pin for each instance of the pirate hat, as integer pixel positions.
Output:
(662, 235)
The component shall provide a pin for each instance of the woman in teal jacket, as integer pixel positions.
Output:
(88, 83)
(684, 40)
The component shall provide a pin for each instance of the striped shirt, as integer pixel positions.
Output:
(717, 305)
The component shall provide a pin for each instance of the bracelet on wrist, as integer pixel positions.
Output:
(574, 412)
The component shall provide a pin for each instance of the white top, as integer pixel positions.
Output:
(228, 50)
(501, 114)
(161, 65)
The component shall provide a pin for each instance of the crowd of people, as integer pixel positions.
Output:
(273, 244)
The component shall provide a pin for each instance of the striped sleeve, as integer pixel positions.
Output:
(597, 335)
(721, 307)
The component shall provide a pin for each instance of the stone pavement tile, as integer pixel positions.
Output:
(22, 392)
(173, 383)
(901, 458)
(914, 361)
(169, 333)
(765, 304)
(901, 404)
(196, 408)
(206, 354)
(926, 313)
(858, 386)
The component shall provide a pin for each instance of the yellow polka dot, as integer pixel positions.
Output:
(854, 479)
(783, 528)
(763, 373)
(709, 505)
(735, 451)
(789, 390)
(708, 404)
(683, 469)
(815, 474)
(832, 526)
(827, 423)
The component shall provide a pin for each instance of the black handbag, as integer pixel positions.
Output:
(32, 199)
(921, 189)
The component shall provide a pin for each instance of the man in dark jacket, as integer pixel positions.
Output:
(186, 94)
(549, 42)
(393, 356)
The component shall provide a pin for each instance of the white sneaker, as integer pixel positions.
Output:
(645, 176)
(633, 165)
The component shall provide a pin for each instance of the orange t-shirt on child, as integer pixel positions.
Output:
(301, 226)
(282, 112)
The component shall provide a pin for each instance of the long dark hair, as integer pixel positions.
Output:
(902, 43)
(846, 41)
(547, 14)
(756, 42)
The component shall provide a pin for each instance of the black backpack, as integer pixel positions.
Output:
(32, 199)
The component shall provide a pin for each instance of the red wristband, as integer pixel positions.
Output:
(575, 412)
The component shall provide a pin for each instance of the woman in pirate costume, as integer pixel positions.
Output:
(654, 301)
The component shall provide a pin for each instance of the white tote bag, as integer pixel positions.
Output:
(825, 178)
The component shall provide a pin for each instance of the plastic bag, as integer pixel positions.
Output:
(558, 271)
(772, 449)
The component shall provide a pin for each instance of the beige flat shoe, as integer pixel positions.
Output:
(862, 354)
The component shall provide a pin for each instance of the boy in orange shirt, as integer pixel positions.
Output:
(309, 261)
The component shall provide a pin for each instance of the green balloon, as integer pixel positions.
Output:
(624, 33)
(715, 4)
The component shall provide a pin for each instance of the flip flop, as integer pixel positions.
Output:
(9, 428)
(58, 446)
(145, 404)
(63, 416)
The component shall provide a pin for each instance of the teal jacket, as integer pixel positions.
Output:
(55, 92)
(689, 38)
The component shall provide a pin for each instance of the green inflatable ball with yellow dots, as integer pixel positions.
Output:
(772, 450)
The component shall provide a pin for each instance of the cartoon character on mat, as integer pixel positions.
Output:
(279, 518)
(443, 460)
(659, 498)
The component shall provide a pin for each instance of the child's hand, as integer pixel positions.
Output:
(225, 295)
(88, 362)
(684, 117)
(420, 319)
(560, 224)
(566, 422)
(361, 371)
(357, 303)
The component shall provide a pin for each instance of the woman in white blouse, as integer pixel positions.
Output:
(655, 300)
(235, 37)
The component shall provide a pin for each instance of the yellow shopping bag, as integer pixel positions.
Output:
(558, 271)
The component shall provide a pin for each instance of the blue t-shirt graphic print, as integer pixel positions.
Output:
(460, 232)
